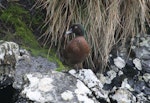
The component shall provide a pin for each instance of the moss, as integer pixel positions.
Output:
(55, 59)
(51, 57)
(17, 19)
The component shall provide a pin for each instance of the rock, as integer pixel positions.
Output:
(9, 53)
(143, 51)
(34, 64)
(130, 71)
(145, 42)
(146, 66)
(67, 95)
(92, 82)
(146, 90)
(117, 81)
(42, 87)
(84, 94)
(55, 87)
(137, 63)
(110, 76)
(119, 62)
(146, 77)
(141, 98)
(126, 85)
(5, 81)
(35, 79)
(123, 96)
(139, 86)
(9, 56)
(135, 82)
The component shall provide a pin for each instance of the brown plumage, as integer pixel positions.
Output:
(77, 50)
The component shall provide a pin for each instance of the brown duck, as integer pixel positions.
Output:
(77, 49)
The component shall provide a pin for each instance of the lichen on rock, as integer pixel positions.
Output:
(10, 54)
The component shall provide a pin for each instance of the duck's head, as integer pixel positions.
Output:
(78, 29)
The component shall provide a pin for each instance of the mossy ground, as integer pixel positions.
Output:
(17, 24)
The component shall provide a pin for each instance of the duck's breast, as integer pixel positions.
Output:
(77, 50)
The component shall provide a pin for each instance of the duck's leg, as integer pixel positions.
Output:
(78, 66)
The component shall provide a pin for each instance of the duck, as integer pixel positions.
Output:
(77, 49)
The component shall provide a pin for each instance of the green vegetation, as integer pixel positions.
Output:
(17, 16)
(17, 22)
(51, 57)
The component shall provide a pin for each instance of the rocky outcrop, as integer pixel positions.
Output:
(9, 56)
(131, 72)
(35, 79)
(39, 82)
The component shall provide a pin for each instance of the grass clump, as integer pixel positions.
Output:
(107, 22)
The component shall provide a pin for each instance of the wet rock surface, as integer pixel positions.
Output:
(34, 79)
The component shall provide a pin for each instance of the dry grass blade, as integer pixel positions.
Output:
(107, 23)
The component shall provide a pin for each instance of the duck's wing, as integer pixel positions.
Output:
(72, 50)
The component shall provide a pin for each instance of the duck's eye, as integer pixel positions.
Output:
(76, 27)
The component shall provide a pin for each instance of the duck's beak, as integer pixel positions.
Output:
(68, 32)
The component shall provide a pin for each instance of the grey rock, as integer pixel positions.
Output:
(55, 87)
(119, 62)
(92, 82)
(146, 66)
(143, 51)
(141, 98)
(48, 87)
(146, 77)
(146, 90)
(137, 63)
(123, 95)
(9, 56)
(136, 70)
(37, 80)
(34, 64)
(126, 85)
(139, 86)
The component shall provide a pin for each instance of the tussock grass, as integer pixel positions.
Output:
(107, 23)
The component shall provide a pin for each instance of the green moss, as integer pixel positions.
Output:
(55, 59)
(18, 19)
(50, 56)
